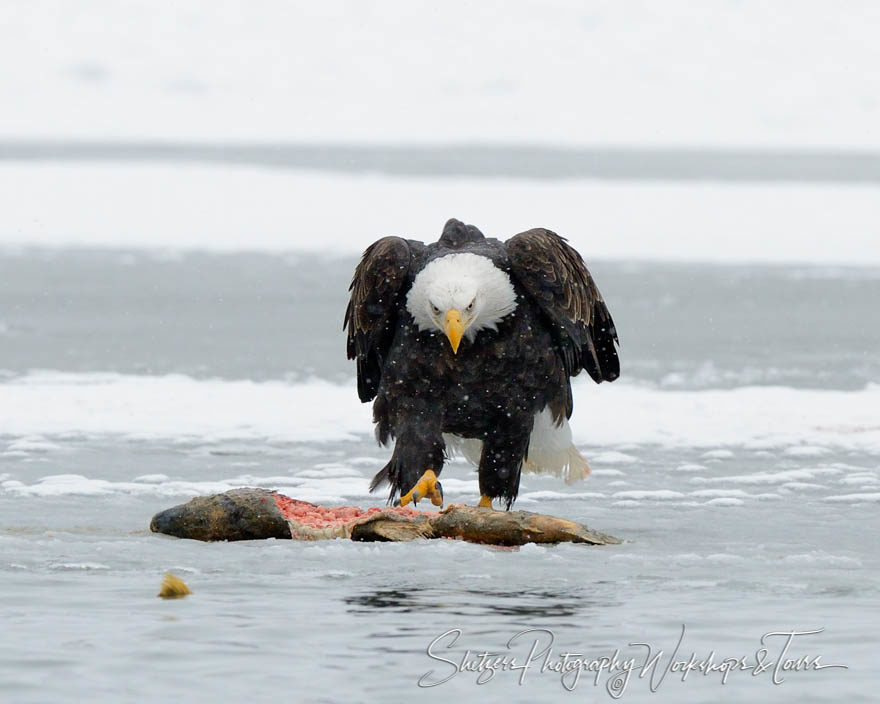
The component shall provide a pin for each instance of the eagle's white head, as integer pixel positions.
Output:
(460, 294)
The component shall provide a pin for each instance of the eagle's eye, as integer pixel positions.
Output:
(471, 306)
(435, 309)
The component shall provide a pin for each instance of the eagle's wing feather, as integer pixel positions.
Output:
(371, 315)
(555, 277)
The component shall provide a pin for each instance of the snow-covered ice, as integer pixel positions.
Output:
(181, 207)
(53, 404)
(713, 73)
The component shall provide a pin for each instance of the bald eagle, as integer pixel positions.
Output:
(469, 344)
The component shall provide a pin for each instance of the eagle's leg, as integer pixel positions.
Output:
(504, 450)
(426, 487)
(416, 462)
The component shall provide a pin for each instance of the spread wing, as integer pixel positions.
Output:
(557, 280)
(371, 316)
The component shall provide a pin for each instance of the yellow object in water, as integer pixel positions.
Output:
(173, 587)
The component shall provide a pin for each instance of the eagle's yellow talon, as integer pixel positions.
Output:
(426, 487)
(485, 502)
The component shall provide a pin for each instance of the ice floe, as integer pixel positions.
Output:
(749, 222)
(40, 410)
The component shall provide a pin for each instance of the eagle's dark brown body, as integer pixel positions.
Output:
(496, 384)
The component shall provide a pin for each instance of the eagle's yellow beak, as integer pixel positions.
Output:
(454, 328)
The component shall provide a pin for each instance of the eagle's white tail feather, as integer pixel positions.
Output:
(568, 464)
(469, 448)
(551, 450)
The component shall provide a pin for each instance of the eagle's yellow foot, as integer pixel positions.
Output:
(426, 487)
(485, 502)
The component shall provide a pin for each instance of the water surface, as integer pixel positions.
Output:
(771, 531)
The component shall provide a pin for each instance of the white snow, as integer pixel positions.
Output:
(185, 207)
(84, 566)
(51, 404)
(316, 489)
(655, 494)
(859, 478)
(180, 406)
(31, 444)
(612, 457)
(604, 472)
(152, 478)
(868, 497)
(725, 502)
(690, 467)
(784, 477)
(556, 495)
(821, 557)
(802, 486)
(656, 73)
(721, 494)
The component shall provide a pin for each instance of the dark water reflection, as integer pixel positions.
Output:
(534, 604)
